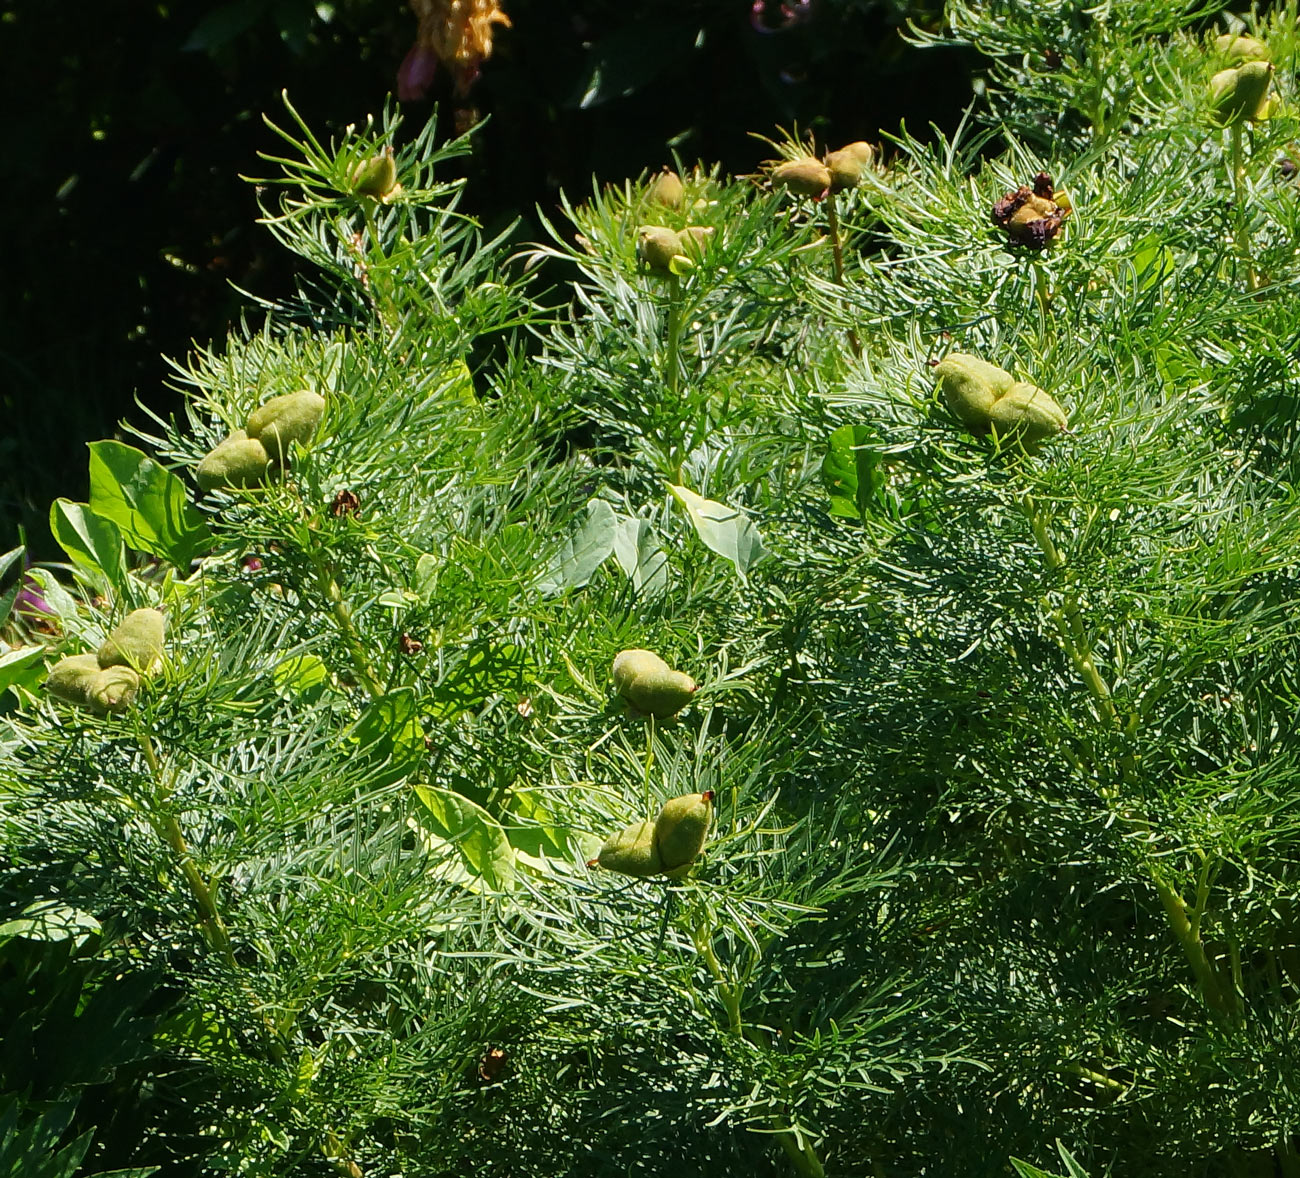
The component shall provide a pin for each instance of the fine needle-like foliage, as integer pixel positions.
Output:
(962, 509)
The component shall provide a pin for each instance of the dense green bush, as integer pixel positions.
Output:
(999, 722)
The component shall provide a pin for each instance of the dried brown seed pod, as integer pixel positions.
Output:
(1031, 216)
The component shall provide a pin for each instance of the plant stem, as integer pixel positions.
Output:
(168, 828)
(1078, 646)
(1241, 229)
(803, 1157)
(837, 253)
(672, 367)
(342, 613)
(1069, 619)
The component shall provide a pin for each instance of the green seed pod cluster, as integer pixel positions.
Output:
(988, 400)
(108, 680)
(376, 177)
(1237, 47)
(283, 420)
(661, 250)
(236, 461)
(667, 846)
(136, 642)
(803, 177)
(248, 457)
(666, 189)
(1241, 95)
(848, 165)
(650, 685)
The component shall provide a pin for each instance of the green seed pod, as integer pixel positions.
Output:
(666, 189)
(628, 664)
(680, 831)
(1241, 95)
(113, 689)
(375, 177)
(1028, 415)
(971, 386)
(136, 642)
(288, 418)
(661, 694)
(69, 678)
(657, 246)
(238, 461)
(848, 165)
(804, 177)
(632, 851)
(79, 680)
(1237, 47)
(696, 238)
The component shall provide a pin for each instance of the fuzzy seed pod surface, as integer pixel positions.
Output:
(1240, 95)
(238, 461)
(970, 387)
(848, 165)
(628, 664)
(136, 642)
(661, 694)
(1238, 47)
(803, 177)
(632, 851)
(1027, 414)
(657, 246)
(375, 177)
(681, 830)
(666, 189)
(283, 420)
(79, 680)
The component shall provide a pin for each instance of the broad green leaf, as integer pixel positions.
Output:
(487, 669)
(583, 552)
(426, 576)
(638, 553)
(7, 599)
(24, 666)
(851, 471)
(482, 849)
(91, 541)
(389, 736)
(303, 676)
(58, 599)
(147, 503)
(51, 920)
(726, 530)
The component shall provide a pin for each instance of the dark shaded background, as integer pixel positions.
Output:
(130, 123)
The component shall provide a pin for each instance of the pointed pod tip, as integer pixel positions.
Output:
(708, 795)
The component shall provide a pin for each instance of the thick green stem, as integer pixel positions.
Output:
(342, 614)
(1241, 225)
(1077, 644)
(803, 1157)
(168, 828)
(837, 253)
(672, 362)
(1069, 618)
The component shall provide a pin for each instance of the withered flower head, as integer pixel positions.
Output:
(459, 34)
(1031, 217)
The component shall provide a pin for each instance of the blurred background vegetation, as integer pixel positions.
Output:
(131, 123)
